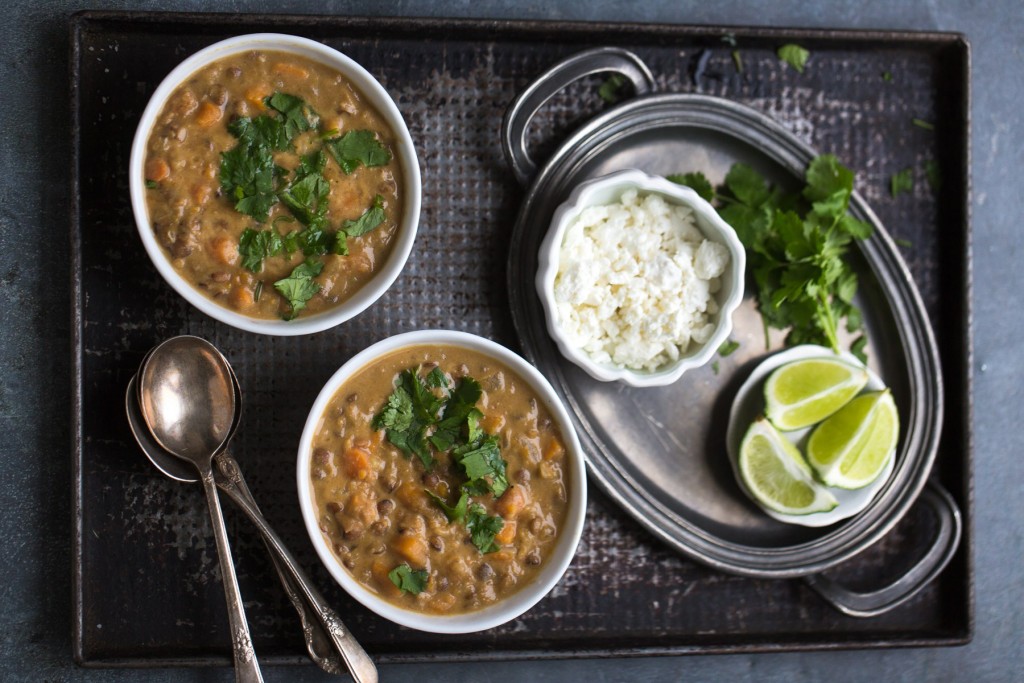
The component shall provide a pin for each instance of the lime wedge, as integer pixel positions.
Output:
(776, 475)
(804, 392)
(850, 449)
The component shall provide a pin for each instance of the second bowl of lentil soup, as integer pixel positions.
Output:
(274, 184)
(441, 481)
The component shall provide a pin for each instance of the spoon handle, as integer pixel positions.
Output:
(358, 662)
(229, 480)
(247, 669)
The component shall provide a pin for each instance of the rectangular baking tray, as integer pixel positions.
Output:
(142, 555)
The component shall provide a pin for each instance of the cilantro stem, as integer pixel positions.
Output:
(828, 322)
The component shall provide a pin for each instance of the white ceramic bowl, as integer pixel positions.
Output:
(607, 190)
(555, 566)
(406, 153)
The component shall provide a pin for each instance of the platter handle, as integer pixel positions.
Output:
(902, 589)
(517, 117)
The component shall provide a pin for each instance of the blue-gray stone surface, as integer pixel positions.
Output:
(35, 594)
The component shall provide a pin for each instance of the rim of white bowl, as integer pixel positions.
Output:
(378, 97)
(551, 573)
(547, 269)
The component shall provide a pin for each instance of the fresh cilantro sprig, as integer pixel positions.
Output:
(696, 181)
(409, 580)
(796, 244)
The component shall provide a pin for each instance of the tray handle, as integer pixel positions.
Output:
(917, 577)
(524, 107)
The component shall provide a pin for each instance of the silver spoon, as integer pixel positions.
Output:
(327, 630)
(318, 643)
(188, 403)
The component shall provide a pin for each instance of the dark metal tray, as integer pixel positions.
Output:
(142, 564)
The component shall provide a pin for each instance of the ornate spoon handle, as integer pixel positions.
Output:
(247, 669)
(325, 630)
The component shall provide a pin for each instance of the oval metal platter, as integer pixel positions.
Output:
(661, 453)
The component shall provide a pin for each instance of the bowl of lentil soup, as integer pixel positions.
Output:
(274, 184)
(441, 481)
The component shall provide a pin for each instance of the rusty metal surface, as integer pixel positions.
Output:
(146, 591)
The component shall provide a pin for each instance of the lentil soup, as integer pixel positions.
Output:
(439, 480)
(272, 184)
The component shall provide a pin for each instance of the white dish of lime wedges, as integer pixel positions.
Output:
(750, 403)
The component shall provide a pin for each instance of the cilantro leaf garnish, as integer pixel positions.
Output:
(370, 219)
(409, 580)
(933, 174)
(248, 177)
(609, 90)
(461, 403)
(454, 513)
(358, 147)
(697, 181)
(262, 131)
(794, 55)
(298, 116)
(921, 123)
(256, 245)
(483, 528)
(901, 182)
(299, 287)
(411, 409)
(728, 347)
(481, 461)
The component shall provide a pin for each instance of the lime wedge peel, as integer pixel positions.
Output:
(805, 392)
(776, 475)
(851, 448)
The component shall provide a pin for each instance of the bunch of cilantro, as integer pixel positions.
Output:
(795, 246)
(255, 183)
(424, 416)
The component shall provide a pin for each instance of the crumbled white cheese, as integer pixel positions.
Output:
(636, 282)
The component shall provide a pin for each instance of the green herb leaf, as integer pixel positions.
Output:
(411, 409)
(256, 245)
(370, 219)
(903, 243)
(454, 513)
(857, 348)
(728, 348)
(299, 287)
(715, 367)
(483, 528)
(262, 131)
(298, 116)
(437, 379)
(358, 147)
(248, 177)
(482, 462)
(921, 123)
(737, 60)
(152, 184)
(887, 76)
(933, 174)
(794, 55)
(697, 181)
(609, 90)
(902, 182)
(453, 427)
(409, 580)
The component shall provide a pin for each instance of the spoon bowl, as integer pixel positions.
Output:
(188, 398)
